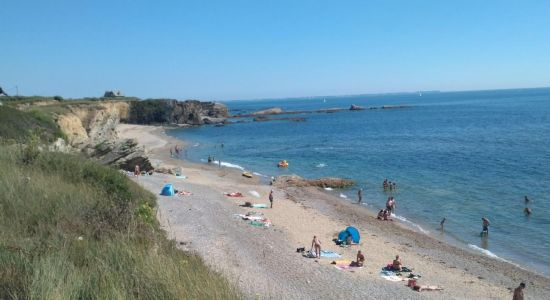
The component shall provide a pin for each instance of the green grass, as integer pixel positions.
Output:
(73, 229)
(18, 126)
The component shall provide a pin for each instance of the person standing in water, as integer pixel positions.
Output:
(526, 200)
(271, 198)
(360, 195)
(442, 223)
(485, 226)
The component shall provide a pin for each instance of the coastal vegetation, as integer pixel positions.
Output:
(72, 228)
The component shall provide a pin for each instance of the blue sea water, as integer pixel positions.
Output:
(458, 155)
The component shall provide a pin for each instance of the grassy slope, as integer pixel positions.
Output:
(70, 228)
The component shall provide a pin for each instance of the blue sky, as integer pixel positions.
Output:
(225, 50)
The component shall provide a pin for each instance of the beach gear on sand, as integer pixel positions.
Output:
(259, 205)
(420, 288)
(330, 254)
(247, 174)
(167, 190)
(345, 265)
(350, 231)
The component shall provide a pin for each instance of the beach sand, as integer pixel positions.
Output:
(263, 263)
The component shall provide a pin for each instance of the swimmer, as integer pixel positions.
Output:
(527, 211)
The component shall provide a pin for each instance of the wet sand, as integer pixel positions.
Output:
(263, 263)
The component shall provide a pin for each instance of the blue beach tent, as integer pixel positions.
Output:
(167, 190)
(350, 231)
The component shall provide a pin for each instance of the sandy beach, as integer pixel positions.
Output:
(263, 262)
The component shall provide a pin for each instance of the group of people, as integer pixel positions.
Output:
(388, 185)
(316, 246)
(384, 215)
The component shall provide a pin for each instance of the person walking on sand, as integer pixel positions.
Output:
(360, 196)
(271, 198)
(316, 245)
(485, 226)
(518, 292)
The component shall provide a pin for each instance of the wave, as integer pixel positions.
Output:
(328, 189)
(485, 251)
(414, 225)
(343, 196)
(196, 144)
(321, 165)
(259, 174)
(229, 165)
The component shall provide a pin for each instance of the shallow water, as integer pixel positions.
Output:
(461, 155)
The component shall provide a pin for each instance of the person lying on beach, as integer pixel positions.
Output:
(316, 244)
(380, 215)
(234, 194)
(360, 259)
(397, 265)
(420, 288)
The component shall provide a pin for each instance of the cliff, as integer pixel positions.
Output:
(90, 127)
(169, 111)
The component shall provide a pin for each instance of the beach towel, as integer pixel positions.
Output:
(262, 223)
(309, 254)
(184, 193)
(259, 205)
(421, 288)
(390, 268)
(235, 194)
(390, 275)
(330, 254)
(181, 177)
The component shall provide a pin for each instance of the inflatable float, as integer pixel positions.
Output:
(282, 164)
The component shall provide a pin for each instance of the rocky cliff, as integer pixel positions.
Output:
(169, 111)
(91, 127)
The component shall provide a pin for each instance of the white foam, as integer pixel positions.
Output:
(229, 165)
(196, 145)
(259, 174)
(328, 188)
(484, 251)
(321, 165)
(254, 193)
(343, 196)
(414, 225)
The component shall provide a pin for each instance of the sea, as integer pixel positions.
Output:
(454, 155)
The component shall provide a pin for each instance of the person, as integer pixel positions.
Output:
(360, 195)
(360, 259)
(136, 171)
(485, 226)
(518, 292)
(209, 159)
(316, 244)
(388, 204)
(171, 153)
(526, 199)
(394, 186)
(271, 198)
(348, 240)
(393, 205)
(387, 215)
(527, 211)
(397, 265)
(177, 150)
(390, 185)
(442, 223)
(380, 215)
(385, 184)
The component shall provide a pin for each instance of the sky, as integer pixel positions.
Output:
(225, 50)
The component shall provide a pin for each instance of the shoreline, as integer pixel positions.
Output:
(463, 272)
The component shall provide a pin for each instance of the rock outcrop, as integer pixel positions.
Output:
(124, 154)
(169, 111)
(269, 111)
(297, 181)
(356, 107)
